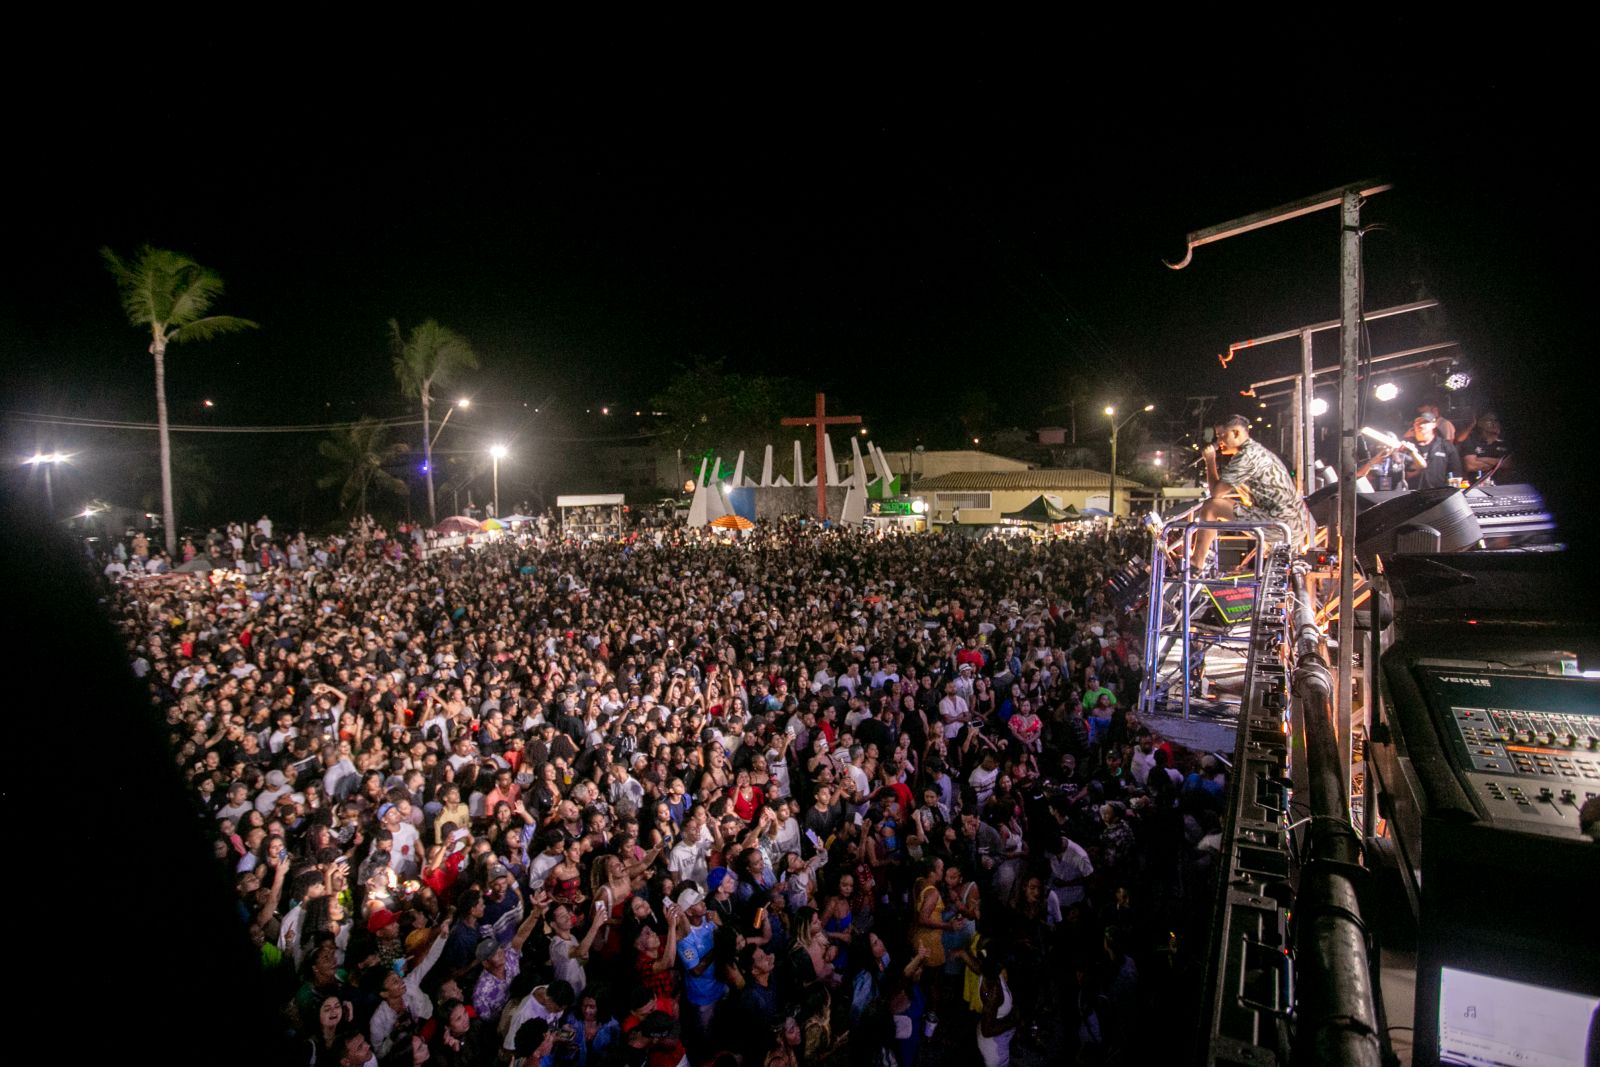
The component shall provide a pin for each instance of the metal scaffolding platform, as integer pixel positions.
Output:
(1196, 644)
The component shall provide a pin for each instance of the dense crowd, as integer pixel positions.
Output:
(803, 796)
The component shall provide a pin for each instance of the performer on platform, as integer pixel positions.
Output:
(1255, 486)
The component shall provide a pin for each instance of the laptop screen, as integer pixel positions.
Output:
(1489, 1022)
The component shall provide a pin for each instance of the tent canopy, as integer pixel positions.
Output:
(458, 524)
(1042, 511)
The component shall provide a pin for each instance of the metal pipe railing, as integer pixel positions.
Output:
(1337, 1012)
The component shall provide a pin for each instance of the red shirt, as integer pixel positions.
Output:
(902, 793)
(746, 808)
(664, 984)
(442, 879)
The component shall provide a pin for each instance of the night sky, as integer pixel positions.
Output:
(895, 242)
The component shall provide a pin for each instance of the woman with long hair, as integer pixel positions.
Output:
(565, 879)
(594, 1031)
(928, 909)
(810, 951)
(333, 1013)
(838, 919)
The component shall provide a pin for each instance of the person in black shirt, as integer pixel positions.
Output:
(1484, 451)
(1443, 462)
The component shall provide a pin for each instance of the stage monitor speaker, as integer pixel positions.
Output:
(1422, 521)
(1404, 522)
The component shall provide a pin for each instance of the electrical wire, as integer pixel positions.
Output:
(325, 427)
(114, 424)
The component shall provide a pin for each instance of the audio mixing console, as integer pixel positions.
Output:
(1527, 745)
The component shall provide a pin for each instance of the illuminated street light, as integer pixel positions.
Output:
(48, 460)
(497, 453)
(1386, 392)
(1116, 427)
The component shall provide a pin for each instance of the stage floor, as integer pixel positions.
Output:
(1214, 705)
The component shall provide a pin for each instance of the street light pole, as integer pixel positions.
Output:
(464, 402)
(1116, 427)
(497, 453)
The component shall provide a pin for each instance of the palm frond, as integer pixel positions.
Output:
(196, 290)
(207, 328)
(429, 354)
(169, 291)
(382, 479)
(136, 284)
(356, 457)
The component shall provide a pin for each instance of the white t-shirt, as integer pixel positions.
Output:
(333, 778)
(403, 858)
(778, 772)
(567, 968)
(953, 710)
(1142, 762)
(1073, 863)
(688, 862)
(529, 1009)
(982, 782)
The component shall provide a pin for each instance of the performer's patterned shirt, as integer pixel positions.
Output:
(1270, 490)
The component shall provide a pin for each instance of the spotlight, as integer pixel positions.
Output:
(1386, 392)
(1457, 380)
(919, 506)
(1319, 407)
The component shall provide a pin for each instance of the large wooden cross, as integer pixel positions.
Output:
(821, 420)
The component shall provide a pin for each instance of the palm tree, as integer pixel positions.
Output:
(429, 356)
(170, 293)
(356, 457)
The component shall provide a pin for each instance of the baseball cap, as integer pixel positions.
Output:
(690, 896)
(381, 918)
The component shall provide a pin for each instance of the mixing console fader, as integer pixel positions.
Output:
(1527, 745)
